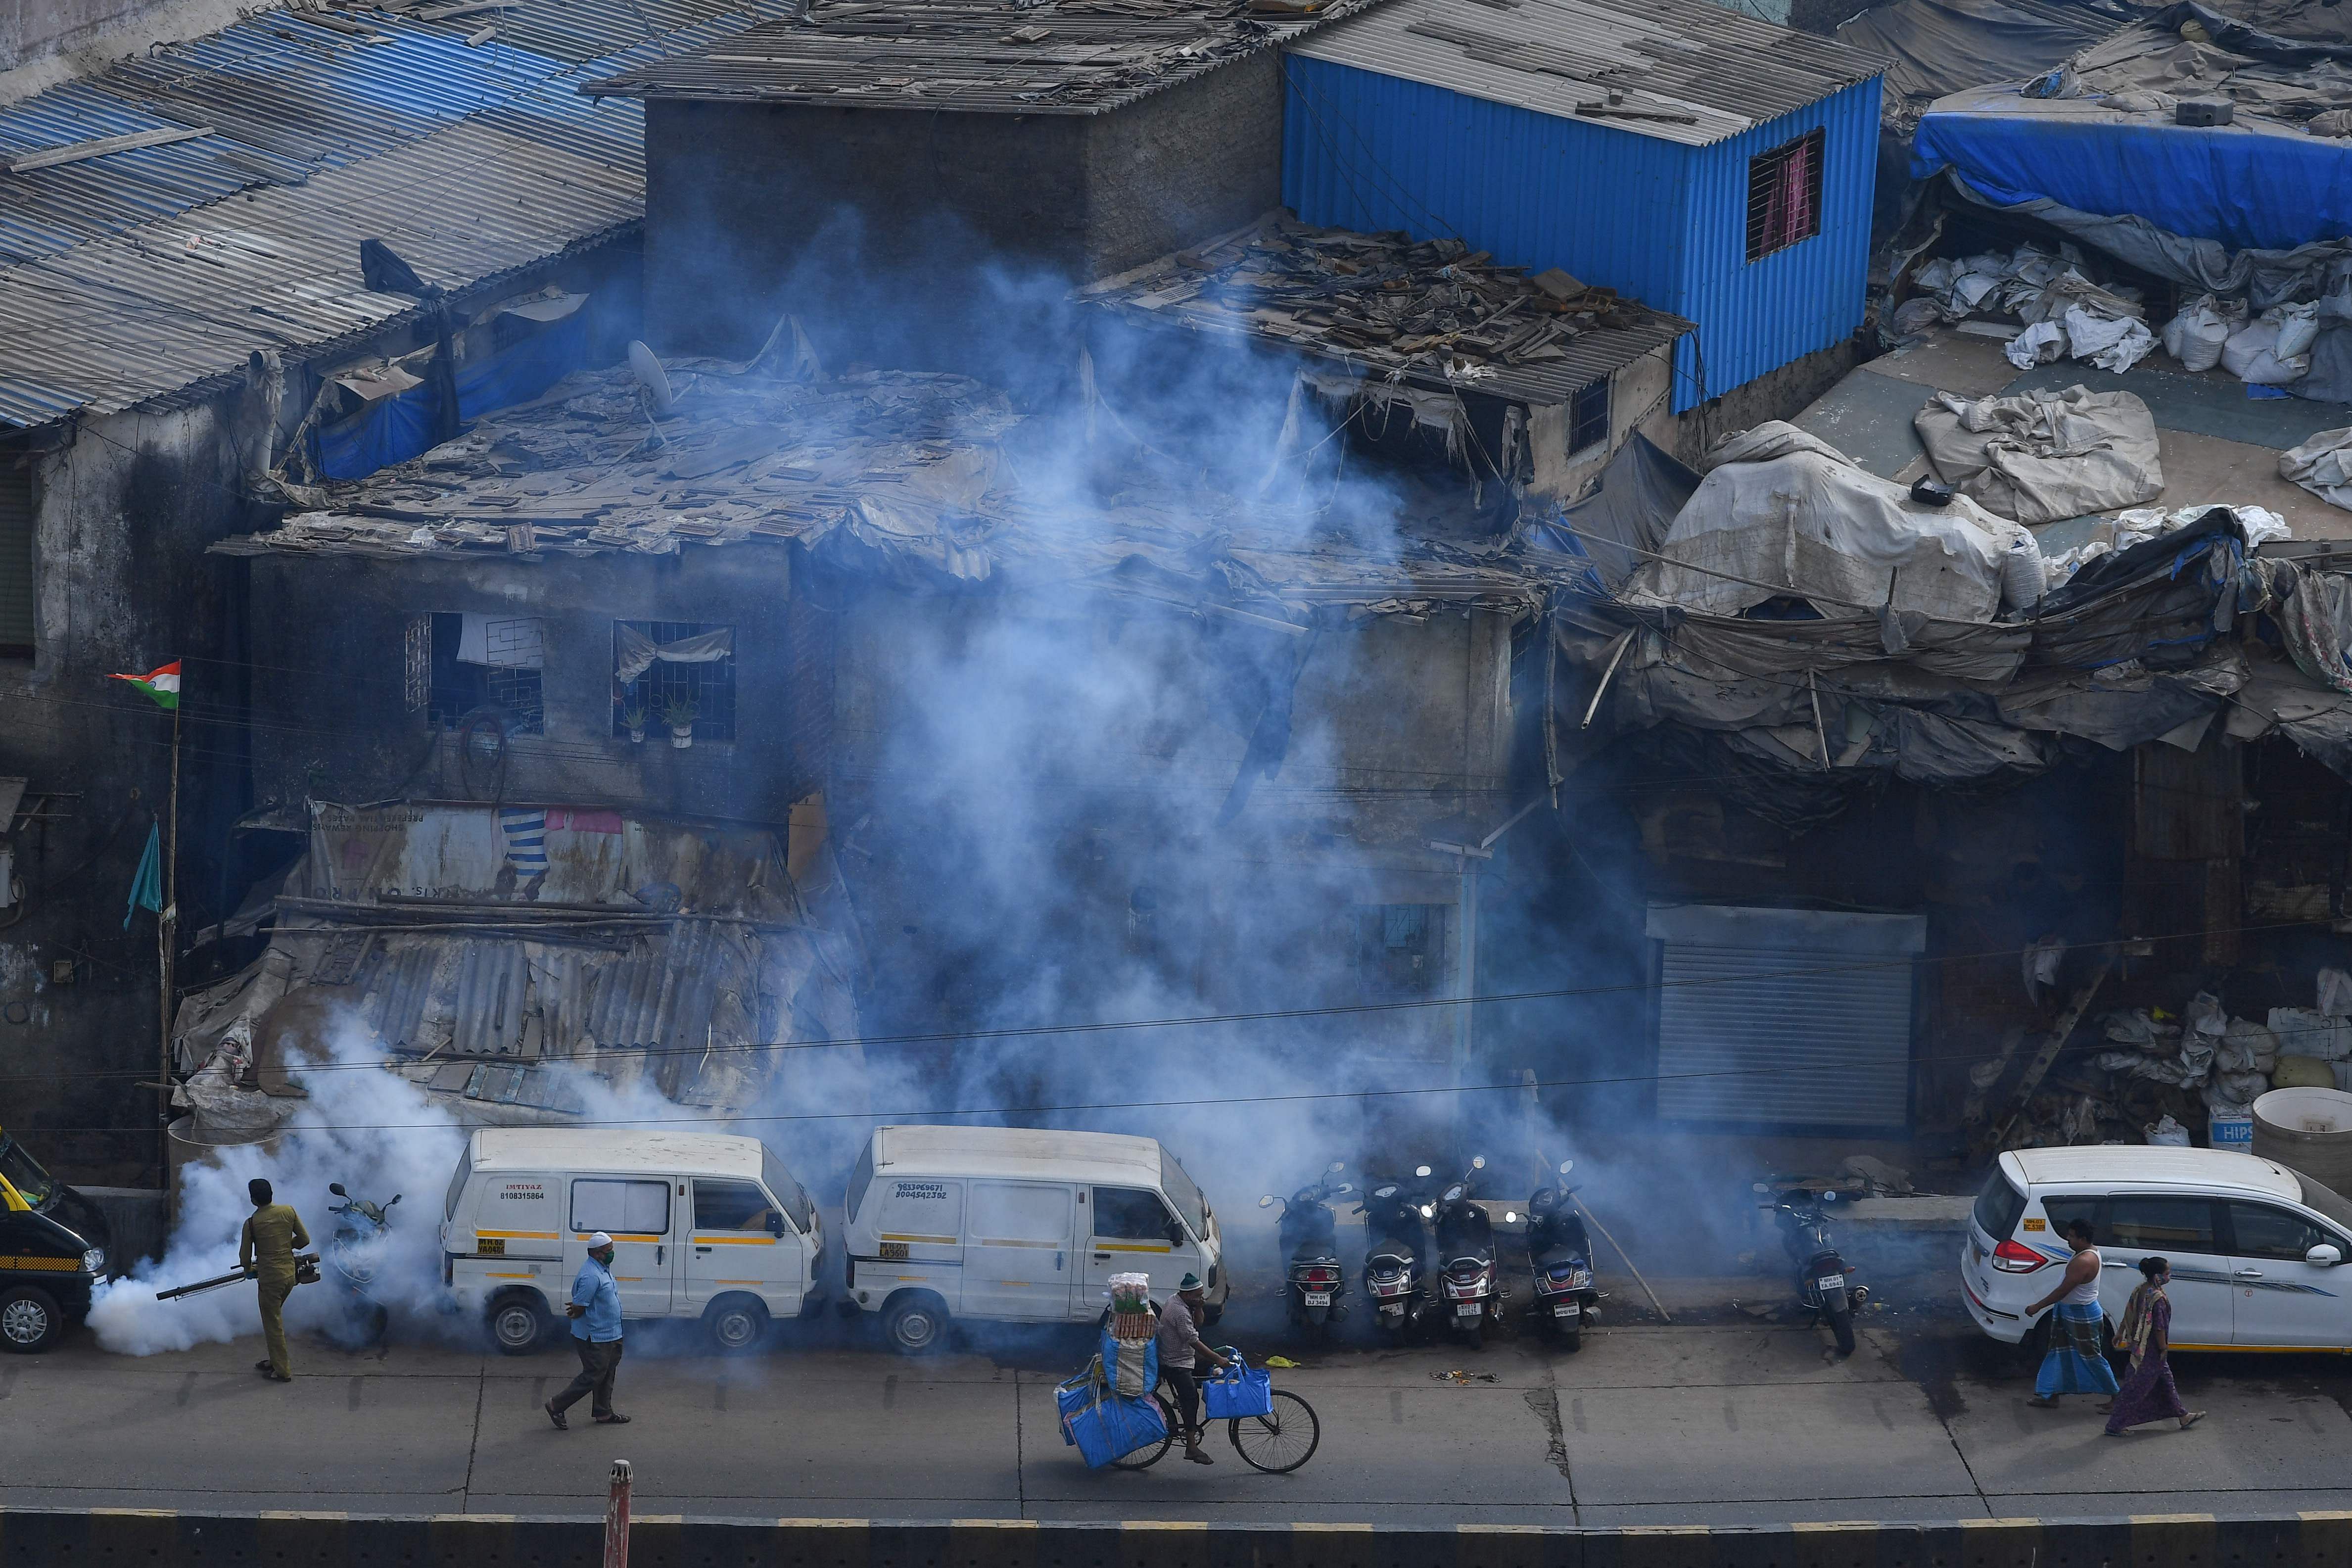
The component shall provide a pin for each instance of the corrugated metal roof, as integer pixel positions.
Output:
(141, 273)
(1682, 71)
(981, 57)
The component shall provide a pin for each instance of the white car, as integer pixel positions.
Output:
(2256, 1248)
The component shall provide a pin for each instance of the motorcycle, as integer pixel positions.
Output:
(1310, 1243)
(1559, 1253)
(1396, 1262)
(356, 1255)
(1469, 1292)
(1823, 1279)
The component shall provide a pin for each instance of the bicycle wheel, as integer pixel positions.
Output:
(1280, 1443)
(1143, 1458)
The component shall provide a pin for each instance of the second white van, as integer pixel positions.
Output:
(705, 1225)
(1018, 1225)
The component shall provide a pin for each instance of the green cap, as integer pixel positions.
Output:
(1190, 1282)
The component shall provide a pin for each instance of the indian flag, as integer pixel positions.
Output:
(162, 683)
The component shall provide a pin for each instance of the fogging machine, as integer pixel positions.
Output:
(306, 1272)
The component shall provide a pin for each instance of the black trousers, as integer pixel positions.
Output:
(599, 1364)
(1187, 1390)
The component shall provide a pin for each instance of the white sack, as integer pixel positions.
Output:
(2252, 355)
(2323, 466)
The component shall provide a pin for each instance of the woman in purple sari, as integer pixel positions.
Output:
(2147, 1394)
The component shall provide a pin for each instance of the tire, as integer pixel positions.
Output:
(1842, 1328)
(1143, 1458)
(517, 1323)
(1280, 1443)
(1570, 1340)
(30, 1321)
(735, 1325)
(1477, 1334)
(916, 1324)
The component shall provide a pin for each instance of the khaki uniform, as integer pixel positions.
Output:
(272, 1234)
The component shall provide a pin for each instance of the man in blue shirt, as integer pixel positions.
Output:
(596, 1313)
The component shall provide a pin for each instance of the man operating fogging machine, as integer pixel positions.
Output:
(265, 1252)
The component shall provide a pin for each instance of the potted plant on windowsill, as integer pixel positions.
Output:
(678, 713)
(633, 718)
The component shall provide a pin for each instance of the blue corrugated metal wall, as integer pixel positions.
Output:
(1655, 220)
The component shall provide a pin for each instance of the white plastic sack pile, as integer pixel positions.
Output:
(2195, 336)
(2064, 312)
(2108, 342)
(2274, 348)
(2323, 466)
(2138, 525)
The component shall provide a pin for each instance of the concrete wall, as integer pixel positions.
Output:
(332, 713)
(169, 1539)
(1640, 399)
(33, 30)
(906, 239)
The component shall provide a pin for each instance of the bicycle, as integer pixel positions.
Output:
(1277, 1444)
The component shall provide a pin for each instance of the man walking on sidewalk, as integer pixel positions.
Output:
(596, 1313)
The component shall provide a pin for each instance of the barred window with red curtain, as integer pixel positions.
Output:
(1784, 195)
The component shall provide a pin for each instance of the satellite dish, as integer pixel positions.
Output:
(647, 368)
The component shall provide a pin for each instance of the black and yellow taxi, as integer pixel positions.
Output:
(53, 1245)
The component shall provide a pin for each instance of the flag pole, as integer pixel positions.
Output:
(163, 924)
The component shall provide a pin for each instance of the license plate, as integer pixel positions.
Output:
(1468, 1310)
(1831, 1282)
(1567, 1310)
(1318, 1298)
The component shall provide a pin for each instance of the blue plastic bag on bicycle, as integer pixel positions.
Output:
(1238, 1390)
(1102, 1425)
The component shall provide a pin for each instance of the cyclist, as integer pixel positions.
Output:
(1180, 1343)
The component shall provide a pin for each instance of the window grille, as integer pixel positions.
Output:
(416, 663)
(1588, 417)
(709, 688)
(458, 687)
(1784, 195)
(1400, 949)
(16, 560)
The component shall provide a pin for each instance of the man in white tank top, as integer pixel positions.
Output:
(2074, 1363)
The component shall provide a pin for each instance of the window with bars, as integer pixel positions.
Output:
(486, 663)
(15, 559)
(1588, 417)
(703, 689)
(1784, 195)
(1400, 949)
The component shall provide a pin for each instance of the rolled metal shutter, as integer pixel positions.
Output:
(1786, 1017)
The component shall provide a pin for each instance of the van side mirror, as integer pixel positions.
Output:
(2324, 1256)
(775, 1223)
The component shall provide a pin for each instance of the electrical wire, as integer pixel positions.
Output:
(1902, 962)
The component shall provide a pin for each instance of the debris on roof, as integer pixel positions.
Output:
(910, 478)
(1430, 313)
(1008, 57)
(1681, 70)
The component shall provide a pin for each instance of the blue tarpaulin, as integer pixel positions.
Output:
(394, 429)
(2245, 185)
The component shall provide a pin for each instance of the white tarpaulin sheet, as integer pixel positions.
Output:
(2043, 456)
(1780, 513)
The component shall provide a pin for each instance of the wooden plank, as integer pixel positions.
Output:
(50, 157)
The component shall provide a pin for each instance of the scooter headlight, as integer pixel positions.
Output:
(1429, 1211)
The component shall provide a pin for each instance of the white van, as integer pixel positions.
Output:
(2256, 1249)
(704, 1225)
(1015, 1225)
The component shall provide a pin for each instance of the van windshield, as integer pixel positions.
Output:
(786, 1189)
(457, 1183)
(1183, 1193)
(1999, 1206)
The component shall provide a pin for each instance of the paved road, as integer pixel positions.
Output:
(1734, 1422)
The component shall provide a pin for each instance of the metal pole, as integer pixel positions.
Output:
(1628, 1256)
(163, 968)
(616, 1517)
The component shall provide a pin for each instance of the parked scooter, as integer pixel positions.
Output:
(1311, 1243)
(1396, 1257)
(1823, 1279)
(1470, 1293)
(354, 1257)
(1560, 1256)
